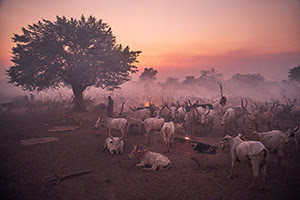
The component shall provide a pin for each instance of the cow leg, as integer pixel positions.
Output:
(128, 128)
(141, 164)
(255, 168)
(172, 140)
(139, 129)
(279, 155)
(236, 126)
(122, 131)
(153, 168)
(264, 173)
(210, 128)
(147, 137)
(237, 168)
(233, 165)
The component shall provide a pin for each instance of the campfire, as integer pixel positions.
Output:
(187, 138)
(147, 104)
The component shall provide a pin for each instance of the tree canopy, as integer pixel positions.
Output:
(70, 52)
(149, 74)
(248, 78)
(294, 74)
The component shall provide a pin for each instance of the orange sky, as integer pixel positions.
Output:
(256, 36)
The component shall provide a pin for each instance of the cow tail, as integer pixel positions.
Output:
(266, 157)
(167, 167)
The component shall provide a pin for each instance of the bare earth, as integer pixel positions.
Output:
(28, 172)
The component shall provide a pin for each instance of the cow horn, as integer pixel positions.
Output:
(296, 128)
(167, 106)
(190, 103)
(123, 135)
(131, 108)
(272, 106)
(163, 107)
(197, 112)
(109, 134)
(207, 112)
(178, 105)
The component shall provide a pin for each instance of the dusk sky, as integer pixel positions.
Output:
(180, 38)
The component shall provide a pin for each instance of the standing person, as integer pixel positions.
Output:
(110, 107)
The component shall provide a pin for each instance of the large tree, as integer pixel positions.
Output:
(70, 52)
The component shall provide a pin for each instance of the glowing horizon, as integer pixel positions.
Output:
(177, 35)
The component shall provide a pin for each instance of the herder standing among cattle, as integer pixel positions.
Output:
(110, 107)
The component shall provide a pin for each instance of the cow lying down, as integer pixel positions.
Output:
(149, 160)
(204, 148)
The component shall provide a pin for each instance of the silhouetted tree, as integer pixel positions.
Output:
(248, 78)
(294, 74)
(210, 75)
(149, 74)
(172, 80)
(189, 80)
(70, 52)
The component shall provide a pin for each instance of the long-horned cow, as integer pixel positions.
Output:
(251, 152)
(276, 140)
(115, 145)
(260, 119)
(232, 115)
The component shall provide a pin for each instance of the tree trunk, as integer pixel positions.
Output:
(78, 100)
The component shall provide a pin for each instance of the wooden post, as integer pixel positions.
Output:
(194, 121)
(194, 118)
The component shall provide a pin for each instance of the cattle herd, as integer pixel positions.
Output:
(251, 129)
(252, 145)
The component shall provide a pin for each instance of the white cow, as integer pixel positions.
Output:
(112, 124)
(115, 145)
(134, 122)
(228, 119)
(276, 140)
(168, 132)
(148, 158)
(152, 124)
(251, 152)
(207, 119)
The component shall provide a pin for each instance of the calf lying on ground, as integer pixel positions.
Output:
(251, 152)
(148, 158)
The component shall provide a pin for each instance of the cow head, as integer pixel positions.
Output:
(229, 114)
(225, 143)
(115, 145)
(100, 123)
(136, 152)
(292, 139)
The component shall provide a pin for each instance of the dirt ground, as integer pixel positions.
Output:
(26, 171)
